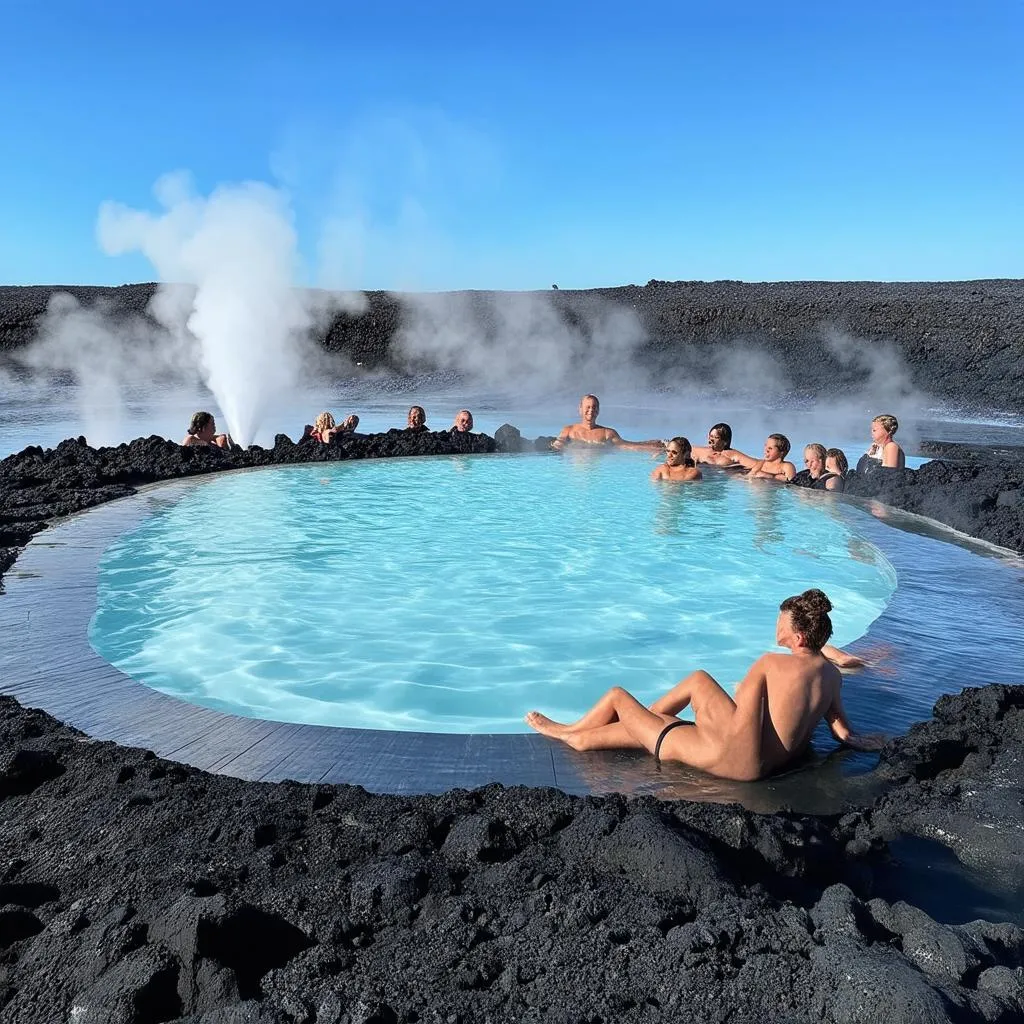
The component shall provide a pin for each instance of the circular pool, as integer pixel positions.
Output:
(452, 595)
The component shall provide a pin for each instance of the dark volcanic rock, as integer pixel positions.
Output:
(495, 905)
(961, 340)
(977, 498)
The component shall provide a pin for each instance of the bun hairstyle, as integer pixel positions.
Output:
(889, 423)
(199, 422)
(685, 450)
(809, 612)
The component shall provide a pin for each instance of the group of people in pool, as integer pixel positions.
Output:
(824, 468)
(202, 428)
(782, 698)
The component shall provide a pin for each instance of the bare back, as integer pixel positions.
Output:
(777, 708)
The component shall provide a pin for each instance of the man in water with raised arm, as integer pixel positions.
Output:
(589, 431)
(767, 726)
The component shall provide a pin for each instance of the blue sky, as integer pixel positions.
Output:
(451, 146)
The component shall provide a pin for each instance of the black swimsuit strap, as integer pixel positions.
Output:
(661, 737)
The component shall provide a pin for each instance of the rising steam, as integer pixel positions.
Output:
(227, 266)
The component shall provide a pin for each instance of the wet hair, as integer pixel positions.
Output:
(685, 450)
(726, 432)
(889, 423)
(413, 408)
(199, 422)
(809, 612)
(840, 457)
(597, 401)
(468, 413)
(782, 441)
(325, 421)
(818, 449)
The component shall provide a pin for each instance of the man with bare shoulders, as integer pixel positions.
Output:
(773, 466)
(589, 431)
(768, 725)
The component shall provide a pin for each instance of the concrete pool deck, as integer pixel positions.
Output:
(47, 662)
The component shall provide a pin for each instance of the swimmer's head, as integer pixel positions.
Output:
(325, 421)
(804, 622)
(835, 461)
(678, 452)
(814, 458)
(463, 421)
(351, 422)
(885, 426)
(202, 425)
(417, 418)
(590, 406)
(776, 447)
(720, 437)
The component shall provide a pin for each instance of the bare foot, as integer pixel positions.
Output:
(546, 726)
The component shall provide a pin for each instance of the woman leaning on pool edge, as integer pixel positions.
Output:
(202, 432)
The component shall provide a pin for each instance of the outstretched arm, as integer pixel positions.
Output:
(840, 726)
(746, 461)
(842, 659)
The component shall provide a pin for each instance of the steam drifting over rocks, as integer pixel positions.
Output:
(959, 340)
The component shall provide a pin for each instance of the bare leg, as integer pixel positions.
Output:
(617, 720)
(682, 693)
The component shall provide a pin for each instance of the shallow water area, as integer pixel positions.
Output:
(452, 595)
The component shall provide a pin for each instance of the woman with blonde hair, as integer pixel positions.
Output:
(323, 428)
(884, 452)
(816, 473)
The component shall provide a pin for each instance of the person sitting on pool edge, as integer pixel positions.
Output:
(766, 727)
(589, 431)
(678, 466)
(463, 423)
(202, 431)
(416, 420)
(773, 466)
(717, 451)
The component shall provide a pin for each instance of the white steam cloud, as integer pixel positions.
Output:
(525, 340)
(227, 264)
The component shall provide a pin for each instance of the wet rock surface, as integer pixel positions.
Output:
(137, 890)
(961, 340)
(984, 499)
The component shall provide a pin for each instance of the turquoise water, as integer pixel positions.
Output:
(452, 595)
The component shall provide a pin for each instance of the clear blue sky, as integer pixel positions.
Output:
(584, 144)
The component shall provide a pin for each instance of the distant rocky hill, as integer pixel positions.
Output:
(960, 340)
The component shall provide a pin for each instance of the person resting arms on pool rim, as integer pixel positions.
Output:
(817, 475)
(773, 466)
(717, 451)
(678, 466)
(589, 431)
(766, 727)
(202, 432)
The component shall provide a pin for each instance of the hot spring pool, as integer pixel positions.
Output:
(452, 595)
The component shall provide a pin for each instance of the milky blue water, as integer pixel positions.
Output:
(452, 595)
